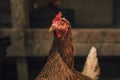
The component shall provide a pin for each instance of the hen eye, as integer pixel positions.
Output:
(62, 24)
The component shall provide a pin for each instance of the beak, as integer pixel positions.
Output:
(52, 28)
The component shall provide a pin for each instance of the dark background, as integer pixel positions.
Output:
(92, 14)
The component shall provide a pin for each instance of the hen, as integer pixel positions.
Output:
(60, 63)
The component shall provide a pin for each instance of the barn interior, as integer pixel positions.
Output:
(25, 40)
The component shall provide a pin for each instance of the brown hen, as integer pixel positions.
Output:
(60, 63)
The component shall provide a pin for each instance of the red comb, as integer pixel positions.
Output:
(58, 17)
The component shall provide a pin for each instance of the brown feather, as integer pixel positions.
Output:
(60, 63)
(64, 46)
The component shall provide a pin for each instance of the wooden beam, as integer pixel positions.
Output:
(107, 42)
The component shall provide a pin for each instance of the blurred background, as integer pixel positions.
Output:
(25, 40)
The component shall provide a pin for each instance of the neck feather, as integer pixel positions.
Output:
(64, 46)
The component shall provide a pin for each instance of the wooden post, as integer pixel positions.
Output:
(22, 69)
(20, 21)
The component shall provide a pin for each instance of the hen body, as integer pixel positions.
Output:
(60, 63)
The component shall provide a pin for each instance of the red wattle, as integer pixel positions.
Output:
(58, 33)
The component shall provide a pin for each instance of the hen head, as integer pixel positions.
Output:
(59, 25)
